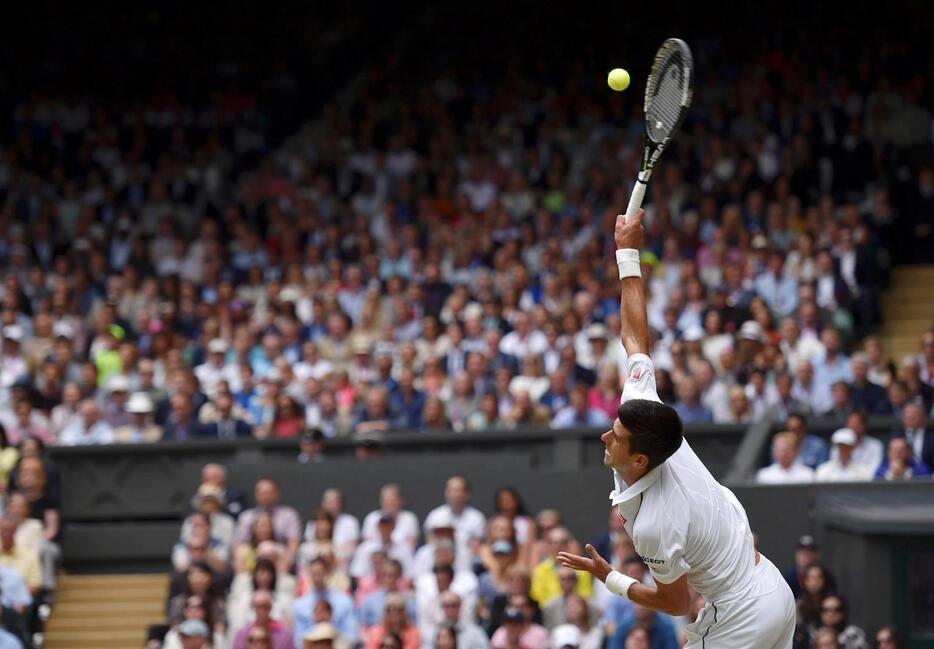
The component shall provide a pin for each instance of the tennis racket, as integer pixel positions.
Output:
(667, 98)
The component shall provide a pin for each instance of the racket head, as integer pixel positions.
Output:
(668, 90)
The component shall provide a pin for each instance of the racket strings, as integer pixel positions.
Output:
(667, 96)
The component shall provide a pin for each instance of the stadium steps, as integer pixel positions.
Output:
(908, 307)
(105, 611)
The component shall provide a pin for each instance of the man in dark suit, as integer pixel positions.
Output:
(920, 436)
(226, 425)
(866, 395)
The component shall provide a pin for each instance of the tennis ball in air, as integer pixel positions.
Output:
(618, 79)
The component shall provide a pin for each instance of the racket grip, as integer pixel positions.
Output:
(635, 200)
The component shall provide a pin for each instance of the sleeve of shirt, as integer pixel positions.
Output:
(641, 381)
(663, 552)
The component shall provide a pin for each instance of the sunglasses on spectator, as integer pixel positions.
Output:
(394, 609)
(450, 604)
(832, 609)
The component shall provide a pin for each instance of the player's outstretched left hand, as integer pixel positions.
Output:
(595, 565)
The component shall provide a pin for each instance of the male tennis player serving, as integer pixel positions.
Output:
(687, 528)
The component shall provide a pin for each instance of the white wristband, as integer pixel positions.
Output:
(618, 583)
(627, 259)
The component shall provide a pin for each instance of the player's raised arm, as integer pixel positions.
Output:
(634, 325)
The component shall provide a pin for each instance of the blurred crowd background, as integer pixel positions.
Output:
(426, 245)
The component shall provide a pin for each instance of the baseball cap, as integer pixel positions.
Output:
(118, 383)
(386, 517)
(597, 330)
(693, 334)
(807, 541)
(501, 547)
(13, 332)
(751, 330)
(139, 402)
(565, 635)
(439, 520)
(209, 491)
(63, 330)
(312, 435)
(844, 436)
(321, 631)
(194, 629)
(217, 346)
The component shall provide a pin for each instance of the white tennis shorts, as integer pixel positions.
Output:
(764, 618)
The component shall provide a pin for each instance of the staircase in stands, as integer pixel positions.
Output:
(908, 308)
(105, 611)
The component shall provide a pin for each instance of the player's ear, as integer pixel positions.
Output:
(640, 461)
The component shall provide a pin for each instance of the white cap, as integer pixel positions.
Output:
(139, 402)
(752, 330)
(844, 436)
(63, 330)
(472, 311)
(13, 332)
(565, 635)
(217, 346)
(693, 334)
(439, 519)
(597, 330)
(118, 383)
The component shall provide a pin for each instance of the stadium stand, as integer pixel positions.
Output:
(432, 255)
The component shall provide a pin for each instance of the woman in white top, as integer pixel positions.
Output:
(263, 577)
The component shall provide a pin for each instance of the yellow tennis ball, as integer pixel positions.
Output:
(618, 79)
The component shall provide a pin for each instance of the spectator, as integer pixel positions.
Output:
(346, 529)
(658, 627)
(578, 412)
(888, 638)
(225, 423)
(191, 633)
(341, 604)
(391, 503)
(807, 390)
(29, 531)
(843, 468)
(545, 582)
(209, 501)
(276, 633)
(216, 475)
(869, 451)
(469, 523)
(199, 582)
(263, 579)
(21, 559)
(689, 406)
(197, 545)
(834, 615)
(815, 587)
(841, 402)
(90, 429)
(920, 436)
(438, 529)
(467, 634)
(518, 620)
(785, 469)
(286, 524)
(262, 533)
(44, 506)
(9, 455)
(807, 554)
(140, 428)
(370, 609)
(812, 450)
(900, 463)
(311, 447)
(826, 638)
(394, 622)
(867, 396)
(362, 563)
(579, 615)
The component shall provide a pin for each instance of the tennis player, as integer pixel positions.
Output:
(686, 527)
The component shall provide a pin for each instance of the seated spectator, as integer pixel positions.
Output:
(288, 420)
(920, 436)
(277, 633)
(578, 412)
(262, 533)
(812, 450)
(517, 627)
(264, 578)
(807, 390)
(67, 412)
(438, 529)
(28, 423)
(44, 506)
(469, 522)
(407, 403)
(21, 559)
(311, 447)
(199, 582)
(806, 555)
(341, 605)
(114, 411)
(321, 526)
(389, 582)
(918, 390)
(395, 622)
(869, 451)
(361, 565)
(215, 474)
(406, 528)
(841, 402)
(826, 638)
(554, 610)
(194, 630)
(843, 468)
(209, 501)
(374, 414)
(605, 395)
(286, 524)
(619, 610)
(900, 463)
(689, 406)
(867, 396)
(467, 634)
(557, 395)
(29, 531)
(739, 412)
(658, 628)
(494, 582)
(444, 577)
(89, 429)
(834, 615)
(225, 423)
(785, 469)
(346, 529)
(815, 587)
(197, 544)
(181, 423)
(887, 638)
(140, 428)
(545, 583)
(582, 617)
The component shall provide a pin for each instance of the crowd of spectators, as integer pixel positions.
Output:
(264, 576)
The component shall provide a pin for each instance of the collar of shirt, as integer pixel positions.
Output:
(622, 493)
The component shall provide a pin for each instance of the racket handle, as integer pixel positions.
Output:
(638, 193)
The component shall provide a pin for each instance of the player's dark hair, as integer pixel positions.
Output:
(655, 429)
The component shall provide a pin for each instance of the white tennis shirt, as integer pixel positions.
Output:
(681, 520)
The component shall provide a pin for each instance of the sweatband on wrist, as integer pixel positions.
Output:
(627, 259)
(618, 583)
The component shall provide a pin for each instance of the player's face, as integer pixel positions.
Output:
(617, 455)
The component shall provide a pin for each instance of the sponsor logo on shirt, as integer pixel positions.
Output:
(648, 560)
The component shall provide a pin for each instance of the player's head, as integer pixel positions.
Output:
(645, 434)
